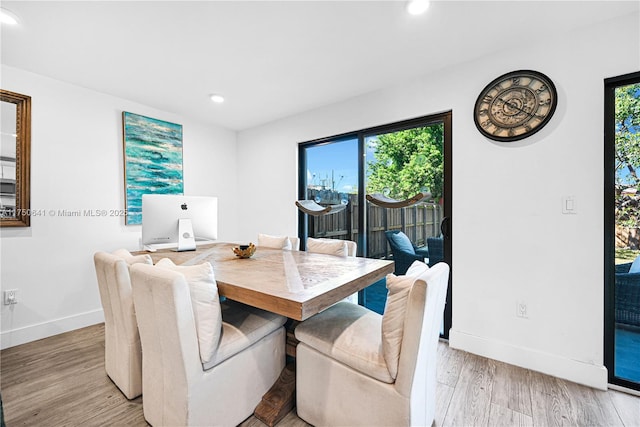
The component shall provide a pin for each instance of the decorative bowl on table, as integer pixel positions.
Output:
(244, 251)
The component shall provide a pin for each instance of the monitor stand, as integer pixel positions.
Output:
(186, 240)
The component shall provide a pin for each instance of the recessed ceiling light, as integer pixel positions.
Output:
(417, 7)
(218, 99)
(8, 17)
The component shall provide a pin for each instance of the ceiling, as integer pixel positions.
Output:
(270, 59)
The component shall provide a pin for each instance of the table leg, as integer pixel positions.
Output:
(280, 399)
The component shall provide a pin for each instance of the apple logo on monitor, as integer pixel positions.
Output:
(183, 206)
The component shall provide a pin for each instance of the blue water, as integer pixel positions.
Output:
(153, 161)
(375, 296)
(627, 354)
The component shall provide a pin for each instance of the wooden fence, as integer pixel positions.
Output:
(417, 222)
(627, 238)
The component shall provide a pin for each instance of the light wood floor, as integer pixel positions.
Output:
(60, 381)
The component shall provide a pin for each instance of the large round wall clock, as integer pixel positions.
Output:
(515, 105)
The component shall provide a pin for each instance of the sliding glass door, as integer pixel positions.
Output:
(622, 230)
(398, 160)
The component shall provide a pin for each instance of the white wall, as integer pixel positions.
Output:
(510, 240)
(77, 164)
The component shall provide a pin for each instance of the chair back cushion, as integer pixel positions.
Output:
(401, 241)
(206, 304)
(275, 242)
(327, 246)
(394, 313)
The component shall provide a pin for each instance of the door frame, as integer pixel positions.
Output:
(610, 84)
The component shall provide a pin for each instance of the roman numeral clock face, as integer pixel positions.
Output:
(515, 105)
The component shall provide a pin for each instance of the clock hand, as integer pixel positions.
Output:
(516, 107)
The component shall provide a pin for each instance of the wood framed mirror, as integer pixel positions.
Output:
(15, 159)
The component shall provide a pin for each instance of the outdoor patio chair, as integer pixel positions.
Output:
(404, 251)
(435, 246)
(627, 299)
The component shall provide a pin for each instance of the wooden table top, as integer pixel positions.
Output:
(295, 284)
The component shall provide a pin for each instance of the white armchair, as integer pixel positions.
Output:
(357, 368)
(182, 388)
(295, 243)
(122, 355)
(334, 247)
(322, 245)
(279, 242)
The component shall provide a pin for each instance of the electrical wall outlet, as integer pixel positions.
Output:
(521, 310)
(11, 297)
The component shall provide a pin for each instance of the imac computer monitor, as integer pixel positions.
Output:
(172, 220)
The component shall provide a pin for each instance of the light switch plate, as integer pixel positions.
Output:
(569, 205)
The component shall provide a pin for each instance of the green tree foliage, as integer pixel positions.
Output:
(407, 162)
(627, 125)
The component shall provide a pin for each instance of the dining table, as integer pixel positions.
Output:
(294, 284)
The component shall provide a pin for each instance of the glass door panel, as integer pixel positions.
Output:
(622, 197)
(400, 164)
(332, 179)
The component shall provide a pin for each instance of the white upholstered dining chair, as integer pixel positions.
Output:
(295, 243)
(122, 351)
(337, 247)
(357, 368)
(204, 363)
(279, 242)
(334, 247)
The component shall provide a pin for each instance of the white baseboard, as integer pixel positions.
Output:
(38, 331)
(573, 370)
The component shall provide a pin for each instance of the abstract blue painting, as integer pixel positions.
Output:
(152, 161)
